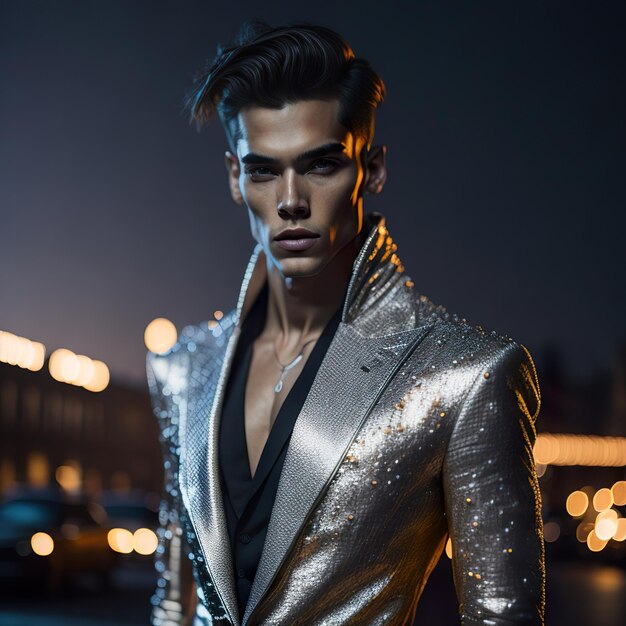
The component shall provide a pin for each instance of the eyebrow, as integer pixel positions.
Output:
(329, 148)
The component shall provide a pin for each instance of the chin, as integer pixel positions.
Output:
(293, 267)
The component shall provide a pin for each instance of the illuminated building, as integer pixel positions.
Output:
(51, 430)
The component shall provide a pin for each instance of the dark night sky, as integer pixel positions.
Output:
(506, 148)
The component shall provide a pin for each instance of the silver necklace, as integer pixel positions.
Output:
(285, 368)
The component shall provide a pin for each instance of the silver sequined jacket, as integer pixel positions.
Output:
(418, 426)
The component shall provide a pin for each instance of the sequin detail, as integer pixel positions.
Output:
(444, 448)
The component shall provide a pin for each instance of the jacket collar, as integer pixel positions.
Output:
(377, 279)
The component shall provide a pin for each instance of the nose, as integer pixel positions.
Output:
(290, 202)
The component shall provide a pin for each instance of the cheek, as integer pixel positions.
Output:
(244, 187)
(256, 229)
(256, 202)
(255, 196)
(351, 183)
(337, 192)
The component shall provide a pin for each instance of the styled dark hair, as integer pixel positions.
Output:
(271, 67)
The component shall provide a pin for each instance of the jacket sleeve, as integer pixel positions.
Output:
(174, 600)
(492, 497)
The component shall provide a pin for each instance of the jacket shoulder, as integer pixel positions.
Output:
(170, 374)
(481, 353)
(457, 329)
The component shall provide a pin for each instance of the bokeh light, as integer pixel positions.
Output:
(145, 541)
(55, 363)
(120, 540)
(101, 377)
(620, 531)
(577, 503)
(78, 369)
(589, 450)
(603, 499)
(160, 335)
(42, 544)
(594, 543)
(606, 524)
(86, 371)
(70, 368)
(551, 531)
(24, 353)
(582, 531)
(68, 477)
(619, 492)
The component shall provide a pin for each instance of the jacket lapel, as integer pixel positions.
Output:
(199, 473)
(291, 408)
(326, 427)
(199, 444)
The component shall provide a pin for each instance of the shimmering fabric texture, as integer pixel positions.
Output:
(418, 426)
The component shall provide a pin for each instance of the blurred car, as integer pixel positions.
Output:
(46, 538)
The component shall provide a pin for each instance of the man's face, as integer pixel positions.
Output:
(298, 168)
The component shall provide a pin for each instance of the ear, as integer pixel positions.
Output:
(233, 168)
(376, 169)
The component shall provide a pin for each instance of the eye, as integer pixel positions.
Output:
(259, 174)
(323, 166)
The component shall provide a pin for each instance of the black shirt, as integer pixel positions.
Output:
(248, 501)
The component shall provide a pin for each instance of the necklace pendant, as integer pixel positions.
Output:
(279, 384)
(286, 368)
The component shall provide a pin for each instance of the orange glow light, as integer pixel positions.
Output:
(101, 377)
(594, 543)
(86, 371)
(603, 499)
(160, 335)
(590, 450)
(78, 369)
(577, 503)
(42, 544)
(120, 540)
(68, 476)
(619, 492)
(606, 524)
(145, 541)
(24, 353)
(620, 531)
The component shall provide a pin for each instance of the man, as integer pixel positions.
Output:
(328, 435)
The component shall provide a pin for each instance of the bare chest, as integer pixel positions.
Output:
(262, 402)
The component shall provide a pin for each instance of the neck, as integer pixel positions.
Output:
(299, 308)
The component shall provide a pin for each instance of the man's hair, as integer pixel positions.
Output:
(271, 67)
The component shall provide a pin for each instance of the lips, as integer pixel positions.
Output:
(296, 233)
(296, 239)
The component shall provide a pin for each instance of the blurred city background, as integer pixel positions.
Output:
(506, 149)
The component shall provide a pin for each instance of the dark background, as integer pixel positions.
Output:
(505, 131)
(506, 152)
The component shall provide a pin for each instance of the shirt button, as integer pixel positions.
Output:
(245, 538)
(241, 573)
